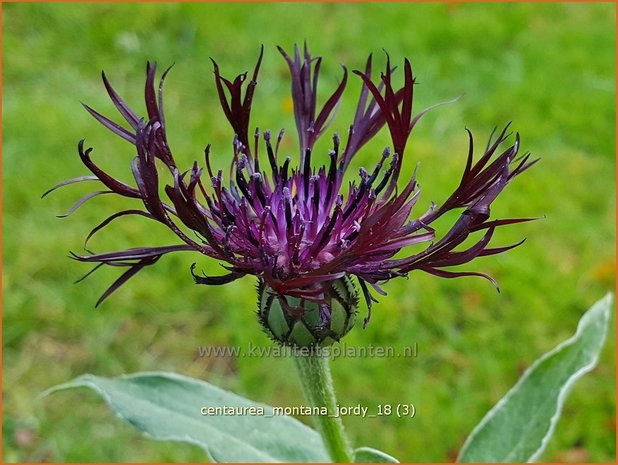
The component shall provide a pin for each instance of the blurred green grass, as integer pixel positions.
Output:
(547, 67)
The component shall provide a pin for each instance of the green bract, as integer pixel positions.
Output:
(298, 322)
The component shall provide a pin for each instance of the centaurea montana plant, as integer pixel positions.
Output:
(297, 229)
(306, 237)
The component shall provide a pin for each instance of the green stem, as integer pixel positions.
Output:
(317, 384)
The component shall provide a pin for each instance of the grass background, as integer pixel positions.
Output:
(547, 67)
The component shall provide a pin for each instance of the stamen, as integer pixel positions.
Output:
(385, 154)
(207, 159)
(316, 193)
(361, 191)
(256, 138)
(259, 191)
(307, 172)
(284, 169)
(272, 156)
(287, 198)
(387, 175)
(332, 173)
(325, 235)
(279, 137)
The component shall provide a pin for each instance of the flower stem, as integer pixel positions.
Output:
(317, 383)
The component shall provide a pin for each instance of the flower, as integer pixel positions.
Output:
(296, 228)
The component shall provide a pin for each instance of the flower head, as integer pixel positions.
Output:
(293, 225)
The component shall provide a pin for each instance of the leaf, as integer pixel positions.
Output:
(519, 426)
(370, 455)
(167, 406)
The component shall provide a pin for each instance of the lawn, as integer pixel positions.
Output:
(548, 68)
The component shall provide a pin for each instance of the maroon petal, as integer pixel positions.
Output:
(68, 182)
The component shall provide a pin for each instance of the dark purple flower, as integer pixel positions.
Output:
(295, 227)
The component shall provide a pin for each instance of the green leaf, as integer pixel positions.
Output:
(167, 406)
(519, 426)
(370, 455)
